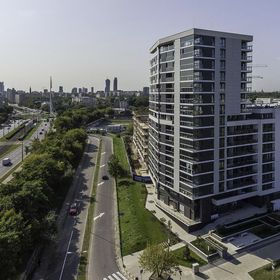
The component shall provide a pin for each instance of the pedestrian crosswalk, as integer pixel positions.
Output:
(115, 276)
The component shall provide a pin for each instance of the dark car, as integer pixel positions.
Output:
(73, 210)
(40, 132)
(105, 177)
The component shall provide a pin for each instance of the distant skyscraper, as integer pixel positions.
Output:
(74, 90)
(92, 90)
(2, 88)
(60, 89)
(146, 91)
(107, 87)
(115, 86)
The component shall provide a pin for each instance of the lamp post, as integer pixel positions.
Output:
(22, 150)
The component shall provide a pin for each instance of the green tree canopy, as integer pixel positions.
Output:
(158, 260)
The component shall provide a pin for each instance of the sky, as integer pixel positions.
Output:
(83, 42)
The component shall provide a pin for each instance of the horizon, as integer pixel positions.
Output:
(82, 44)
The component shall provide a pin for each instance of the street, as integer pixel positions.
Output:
(102, 260)
(63, 263)
(16, 155)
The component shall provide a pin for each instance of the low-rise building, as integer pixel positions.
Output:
(141, 134)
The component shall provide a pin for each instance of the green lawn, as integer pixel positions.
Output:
(121, 121)
(265, 273)
(119, 150)
(194, 258)
(138, 226)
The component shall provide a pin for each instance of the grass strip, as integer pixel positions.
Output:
(32, 131)
(138, 226)
(9, 150)
(82, 271)
(266, 272)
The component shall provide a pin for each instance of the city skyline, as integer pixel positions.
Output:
(61, 39)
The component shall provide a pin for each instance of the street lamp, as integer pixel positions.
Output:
(22, 150)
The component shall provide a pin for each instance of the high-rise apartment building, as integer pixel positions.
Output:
(209, 149)
(107, 87)
(115, 85)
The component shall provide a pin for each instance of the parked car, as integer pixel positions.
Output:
(73, 210)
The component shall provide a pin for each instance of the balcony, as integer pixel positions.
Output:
(245, 131)
(246, 68)
(241, 163)
(247, 58)
(241, 152)
(241, 142)
(246, 48)
(242, 183)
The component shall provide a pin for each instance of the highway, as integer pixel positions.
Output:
(16, 155)
(102, 259)
(62, 262)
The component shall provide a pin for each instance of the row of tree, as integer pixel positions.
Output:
(5, 111)
(29, 202)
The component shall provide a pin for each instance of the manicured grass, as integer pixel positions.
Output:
(203, 246)
(193, 258)
(138, 226)
(10, 149)
(30, 133)
(121, 121)
(82, 273)
(119, 150)
(265, 273)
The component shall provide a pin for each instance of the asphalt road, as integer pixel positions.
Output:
(16, 155)
(63, 263)
(102, 259)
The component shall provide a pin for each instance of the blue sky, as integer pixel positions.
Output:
(82, 42)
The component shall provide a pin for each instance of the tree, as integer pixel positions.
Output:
(115, 168)
(158, 260)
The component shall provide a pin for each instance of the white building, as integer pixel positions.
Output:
(208, 150)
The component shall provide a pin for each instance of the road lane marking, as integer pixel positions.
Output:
(66, 254)
(121, 275)
(117, 277)
(101, 183)
(99, 216)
